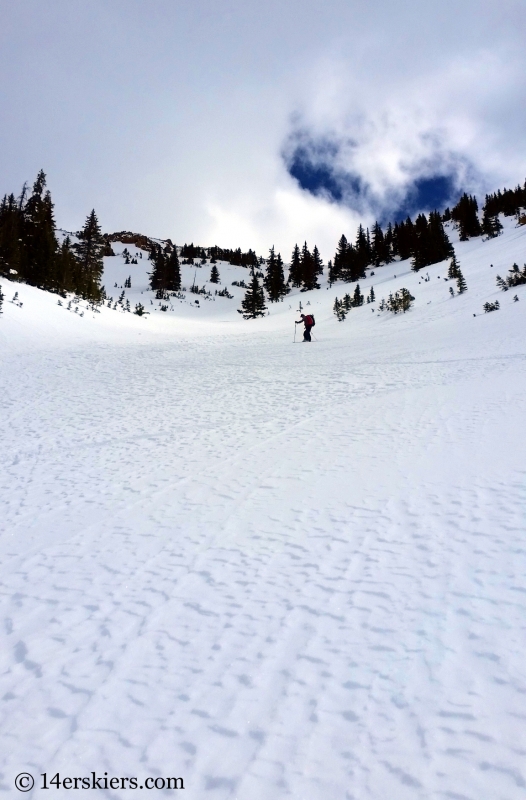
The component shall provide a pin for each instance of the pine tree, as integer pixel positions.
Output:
(358, 297)
(318, 262)
(11, 238)
(295, 267)
(406, 299)
(158, 274)
(465, 213)
(311, 267)
(379, 246)
(430, 241)
(363, 254)
(491, 225)
(172, 271)
(453, 268)
(404, 235)
(339, 310)
(214, 274)
(89, 257)
(421, 256)
(253, 304)
(372, 295)
(461, 283)
(439, 244)
(2, 297)
(401, 301)
(274, 280)
(39, 240)
(67, 270)
(338, 264)
(389, 244)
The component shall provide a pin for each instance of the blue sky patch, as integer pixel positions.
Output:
(314, 164)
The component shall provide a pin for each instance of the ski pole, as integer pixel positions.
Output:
(294, 333)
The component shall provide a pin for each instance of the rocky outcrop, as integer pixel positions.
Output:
(138, 239)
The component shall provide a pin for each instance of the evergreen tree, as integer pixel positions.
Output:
(439, 244)
(430, 241)
(491, 225)
(306, 268)
(295, 267)
(67, 270)
(453, 268)
(406, 299)
(421, 254)
(158, 274)
(253, 304)
(507, 202)
(39, 237)
(338, 264)
(461, 283)
(11, 237)
(379, 247)
(515, 277)
(339, 310)
(465, 213)
(2, 297)
(363, 254)
(404, 239)
(214, 274)
(275, 279)
(372, 295)
(401, 301)
(173, 271)
(346, 265)
(311, 267)
(389, 244)
(89, 257)
(358, 297)
(317, 264)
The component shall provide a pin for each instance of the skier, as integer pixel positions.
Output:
(308, 321)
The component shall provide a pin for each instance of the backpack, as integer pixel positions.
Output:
(312, 322)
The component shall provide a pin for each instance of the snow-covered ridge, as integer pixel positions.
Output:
(480, 261)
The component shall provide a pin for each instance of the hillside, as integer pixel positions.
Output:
(272, 569)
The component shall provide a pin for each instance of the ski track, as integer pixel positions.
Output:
(284, 583)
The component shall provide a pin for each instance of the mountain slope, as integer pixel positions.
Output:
(274, 570)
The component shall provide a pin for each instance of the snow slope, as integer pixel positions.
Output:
(275, 570)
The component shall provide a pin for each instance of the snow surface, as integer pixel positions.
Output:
(275, 570)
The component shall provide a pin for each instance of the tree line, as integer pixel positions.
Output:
(31, 253)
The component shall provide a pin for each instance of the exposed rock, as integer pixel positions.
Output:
(138, 239)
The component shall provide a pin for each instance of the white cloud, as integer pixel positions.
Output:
(171, 118)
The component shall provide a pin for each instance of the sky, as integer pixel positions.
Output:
(257, 124)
